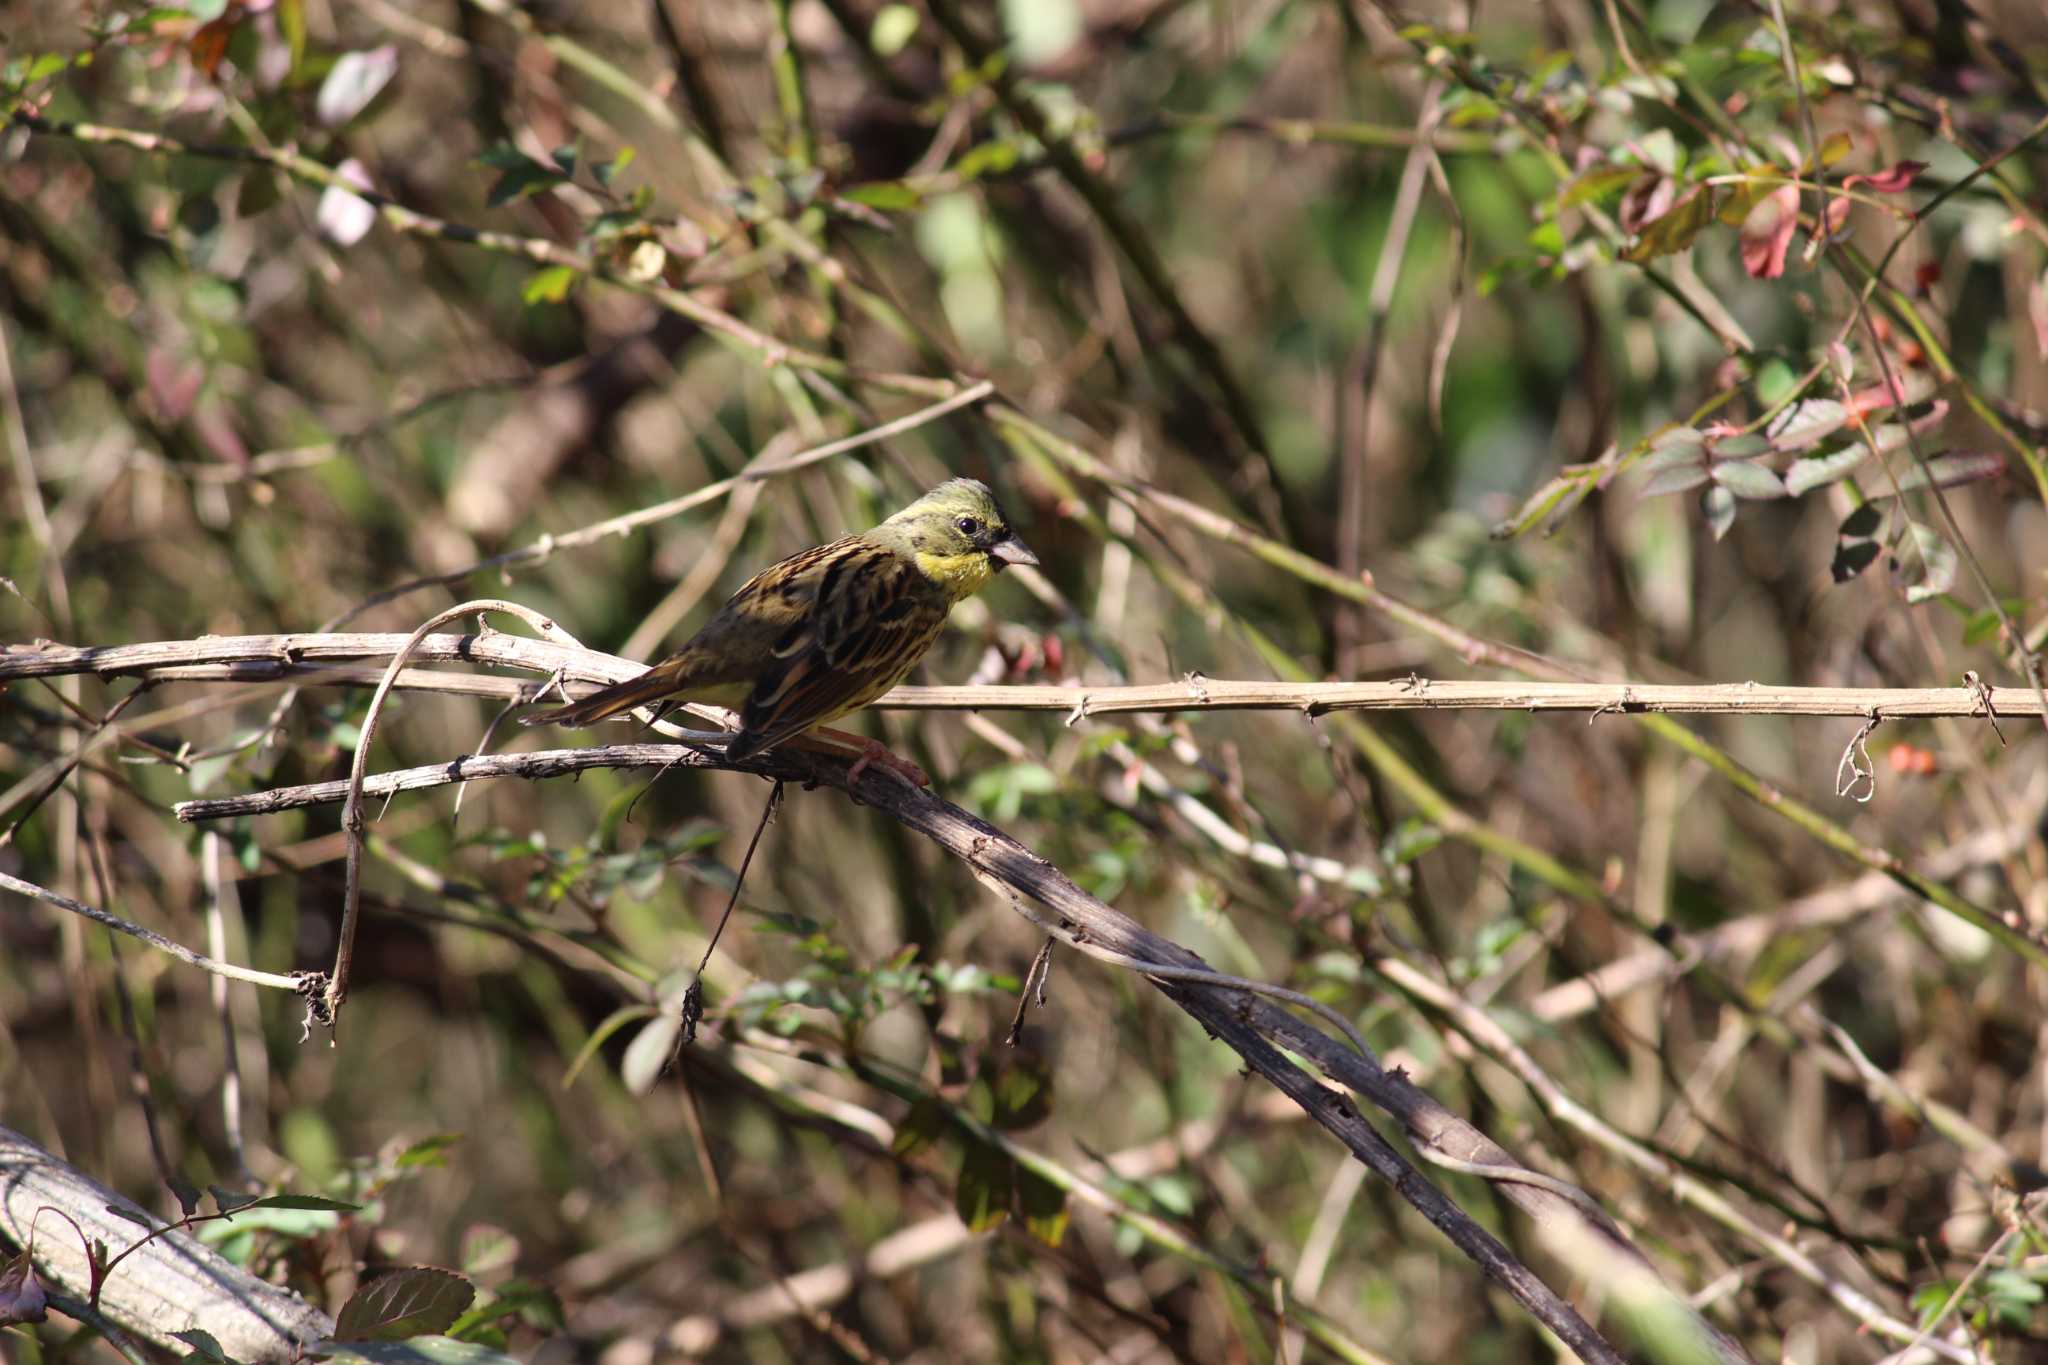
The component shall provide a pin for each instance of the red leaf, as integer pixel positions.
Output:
(1767, 232)
(1879, 396)
(174, 382)
(1888, 181)
(21, 1293)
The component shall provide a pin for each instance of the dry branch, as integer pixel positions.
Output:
(171, 1285)
(300, 659)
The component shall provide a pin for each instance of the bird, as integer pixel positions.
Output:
(828, 630)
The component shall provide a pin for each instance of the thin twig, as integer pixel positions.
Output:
(223, 903)
(693, 998)
(151, 937)
(327, 1009)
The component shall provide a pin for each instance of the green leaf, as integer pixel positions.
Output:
(185, 1193)
(1938, 564)
(1411, 838)
(1172, 1192)
(892, 30)
(612, 1023)
(1815, 471)
(503, 156)
(1748, 192)
(141, 1220)
(1679, 445)
(428, 1151)
(1834, 148)
(1746, 479)
(1676, 229)
(926, 1122)
(987, 158)
(203, 1344)
(1598, 183)
(1929, 1299)
(608, 171)
(647, 1055)
(1022, 1089)
(308, 1203)
(31, 67)
(1774, 382)
(551, 285)
(405, 1303)
(1677, 479)
(151, 19)
(1852, 557)
(420, 1350)
(1946, 471)
(1983, 626)
(1550, 505)
(536, 1305)
(890, 196)
(523, 178)
(1806, 422)
(1862, 521)
(1719, 505)
(1659, 150)
(245, 1222)
(999, 792)
(987, 1180)
(1043, 1206)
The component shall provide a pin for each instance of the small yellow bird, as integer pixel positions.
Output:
(829, 630)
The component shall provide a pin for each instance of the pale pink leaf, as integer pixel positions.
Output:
(1890, 180)
(1767, 232)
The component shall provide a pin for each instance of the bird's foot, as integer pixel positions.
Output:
(865, 752)
(874, 753)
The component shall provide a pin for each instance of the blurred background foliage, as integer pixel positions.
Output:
(1518, 310)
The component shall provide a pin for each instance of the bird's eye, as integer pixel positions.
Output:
(968, 526)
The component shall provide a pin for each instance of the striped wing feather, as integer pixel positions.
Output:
(727, 653)
(810, 638)
(871, 618)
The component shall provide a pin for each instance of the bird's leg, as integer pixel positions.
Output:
(867, 751)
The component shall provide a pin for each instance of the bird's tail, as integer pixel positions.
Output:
(607, 702)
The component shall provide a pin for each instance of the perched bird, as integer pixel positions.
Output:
(829, 630)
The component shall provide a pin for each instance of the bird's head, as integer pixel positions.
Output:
(958, 536)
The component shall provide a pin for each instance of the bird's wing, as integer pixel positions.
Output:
(730, 650)
(871, 616)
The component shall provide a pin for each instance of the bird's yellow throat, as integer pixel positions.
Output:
(961, 576)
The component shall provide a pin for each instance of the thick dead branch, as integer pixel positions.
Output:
(174, 1284)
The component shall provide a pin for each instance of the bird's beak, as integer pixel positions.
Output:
(1010, 550)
